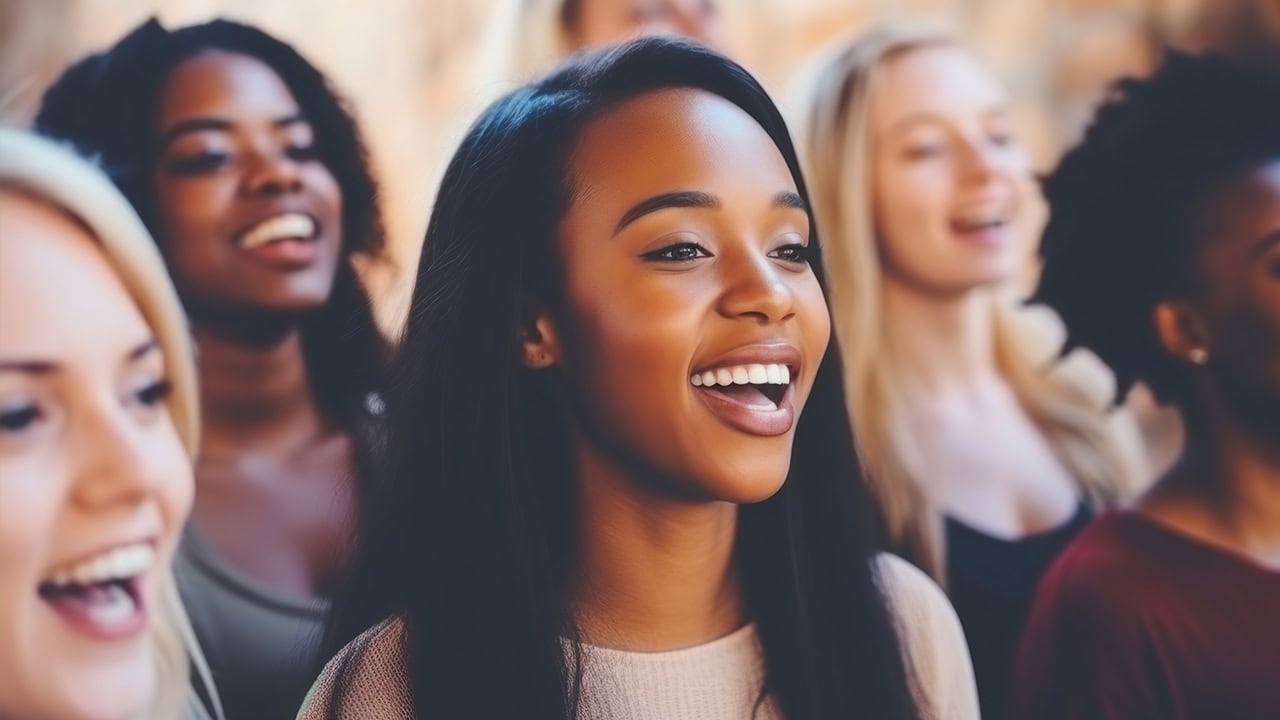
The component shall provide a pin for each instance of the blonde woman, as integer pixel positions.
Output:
(529, 37)
(98, 425)
(986, 456)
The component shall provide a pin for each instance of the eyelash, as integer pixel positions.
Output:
(795, 253)
(155, 393)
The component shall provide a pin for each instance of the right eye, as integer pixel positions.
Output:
(199, 163)
(678, 253)
(14, 420)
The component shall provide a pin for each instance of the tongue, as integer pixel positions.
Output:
(750, 395)
(103, 604)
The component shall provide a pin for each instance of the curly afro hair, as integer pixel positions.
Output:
(1128, 205)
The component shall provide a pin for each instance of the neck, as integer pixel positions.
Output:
(940, 345)
(654, 573)
(1228, 480)
(254, 394)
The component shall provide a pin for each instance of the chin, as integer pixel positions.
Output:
(105, 690)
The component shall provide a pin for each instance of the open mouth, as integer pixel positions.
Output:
(288, 240)
(761, 386)
(102, 595)
(983, 226)
(281, 228)
(754, 398)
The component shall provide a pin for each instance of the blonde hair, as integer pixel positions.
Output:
(525, 39)
(1068, 404)
(37, 166)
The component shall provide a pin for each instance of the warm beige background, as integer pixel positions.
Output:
(409, 66)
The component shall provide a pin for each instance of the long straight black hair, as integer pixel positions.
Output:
(475, 539)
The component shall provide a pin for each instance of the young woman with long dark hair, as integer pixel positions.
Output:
(250, 174)
(622, 480)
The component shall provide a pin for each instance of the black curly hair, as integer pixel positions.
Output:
(1128, 206)
(105, 105)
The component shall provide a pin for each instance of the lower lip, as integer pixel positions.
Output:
(750, 419)
(289, 254)
(91, 620)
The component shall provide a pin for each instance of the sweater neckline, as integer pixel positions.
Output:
(737, 640)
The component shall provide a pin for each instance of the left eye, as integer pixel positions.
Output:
(680, 252)
(154, 393)
(795, 253)
(303, 153)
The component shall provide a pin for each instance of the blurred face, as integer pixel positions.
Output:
(249, 217)
(608, 22)
(94, 481)
(694, 323)
(1241, 302)
(948, 176)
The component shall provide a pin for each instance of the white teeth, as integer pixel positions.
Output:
(280, 227)
(117, 564)
(754, 374)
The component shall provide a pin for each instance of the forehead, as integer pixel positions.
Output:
(940, 80)
(676, 139)
(59, 298)
(1241, 212)
(218, 82)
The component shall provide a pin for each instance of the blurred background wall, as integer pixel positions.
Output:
(409, 67)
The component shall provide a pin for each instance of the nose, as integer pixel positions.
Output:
(754, 288)
(273, 173)
(115, 458)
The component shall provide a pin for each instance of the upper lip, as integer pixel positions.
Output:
(763, 353)
(277, 212)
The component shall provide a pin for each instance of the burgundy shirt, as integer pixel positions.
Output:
(1135, 622)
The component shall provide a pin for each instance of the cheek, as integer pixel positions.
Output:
(29, 513)
(910, 205)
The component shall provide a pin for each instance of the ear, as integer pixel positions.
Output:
(539, 343)
(1182, 330)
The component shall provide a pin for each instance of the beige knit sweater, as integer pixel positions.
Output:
(718, 680)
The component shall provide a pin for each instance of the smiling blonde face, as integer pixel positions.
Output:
(94, 480)
(949, 176)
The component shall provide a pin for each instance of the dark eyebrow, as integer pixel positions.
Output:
(199, 124)
(686, 199)
(789, 199)
(45, 367)
(1267, 241)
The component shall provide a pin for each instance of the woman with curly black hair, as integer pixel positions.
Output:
(1162, 255)
(250, 174)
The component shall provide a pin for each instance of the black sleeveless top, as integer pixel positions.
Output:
(991, 582)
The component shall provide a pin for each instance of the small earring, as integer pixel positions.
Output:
(1199, 356)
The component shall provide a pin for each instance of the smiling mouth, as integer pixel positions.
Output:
(289, 226)
(753, 398)
(102, 596)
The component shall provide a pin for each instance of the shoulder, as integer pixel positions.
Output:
(367, 678)
(1114, 558)
(933, 643)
